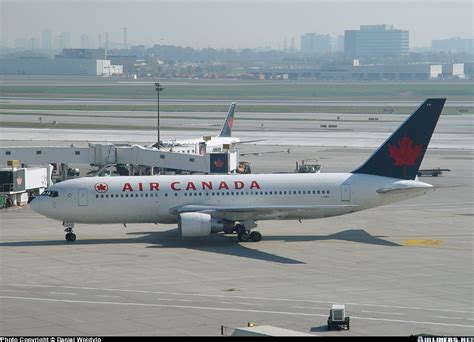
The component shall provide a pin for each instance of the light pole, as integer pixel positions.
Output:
(158, 88)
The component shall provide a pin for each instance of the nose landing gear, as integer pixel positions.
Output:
(69, 227)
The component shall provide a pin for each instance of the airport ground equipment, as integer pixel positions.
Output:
(102, 155)
(431, 172)
(17, 185)
(308, 166)
(337, 317)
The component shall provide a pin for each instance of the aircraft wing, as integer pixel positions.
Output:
(251, 212)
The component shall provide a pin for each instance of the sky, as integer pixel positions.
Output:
(229, 23)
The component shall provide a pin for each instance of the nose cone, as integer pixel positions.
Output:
(35, 204)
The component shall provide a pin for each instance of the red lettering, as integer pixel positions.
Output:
(154, 186)
(238, 185)
(206, 185)
(127, 187)
(254, 185)
(140, 186)
(223, 185)
(173, 186)
(191, 186)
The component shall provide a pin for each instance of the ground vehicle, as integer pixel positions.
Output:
(308, 166)
(337, 317)
(431, 172)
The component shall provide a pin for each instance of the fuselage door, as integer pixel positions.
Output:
(82, 197)
(345, 192)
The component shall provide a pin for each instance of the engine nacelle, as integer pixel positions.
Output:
(198, 224)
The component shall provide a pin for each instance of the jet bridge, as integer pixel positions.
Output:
(106, 154)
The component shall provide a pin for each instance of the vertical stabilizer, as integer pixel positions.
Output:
(400, 156)
(226, 130)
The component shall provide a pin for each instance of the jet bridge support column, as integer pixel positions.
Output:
(64, 168)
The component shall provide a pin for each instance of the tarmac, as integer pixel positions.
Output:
(400, 270)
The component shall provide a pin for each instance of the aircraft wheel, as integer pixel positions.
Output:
(71, 237)
(255, 236)
(243, 237)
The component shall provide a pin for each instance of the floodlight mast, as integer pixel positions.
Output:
(158, 88)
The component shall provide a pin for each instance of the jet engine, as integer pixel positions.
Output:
(198, 224)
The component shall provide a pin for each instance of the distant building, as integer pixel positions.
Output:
(65, 40)
(46, 40)
(86, 42)
(375, 41)
(71, 62)
(453, 71)
(454, 45)
(314, 44)
(83, 53)
(356, 72)
(338, 44)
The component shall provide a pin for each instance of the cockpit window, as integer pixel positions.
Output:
(50, 193)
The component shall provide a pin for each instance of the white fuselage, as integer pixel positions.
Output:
(152, 198)
(211, 143)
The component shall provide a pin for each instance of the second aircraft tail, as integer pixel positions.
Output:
(226, 130)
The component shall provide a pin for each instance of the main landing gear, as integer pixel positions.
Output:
(245, 235)
(69, 227)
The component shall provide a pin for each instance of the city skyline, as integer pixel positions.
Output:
(225, 24)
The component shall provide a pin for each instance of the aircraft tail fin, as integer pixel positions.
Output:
(226, 130)
(400, 156)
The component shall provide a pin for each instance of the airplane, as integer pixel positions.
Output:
(224, 136)
(233, 203)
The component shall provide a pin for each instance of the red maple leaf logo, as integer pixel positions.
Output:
(406, 154)
(218, 163)
(19, 180)
(230, 123)
(101, 187)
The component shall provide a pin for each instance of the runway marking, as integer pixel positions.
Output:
(14, 291)
(238, 297)
(64, 293)
(310, 307)
(419, 242)
(460, 318)
(174, 300)
(384, 313)
(107, 296)
(234, 303)
(227, 309)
